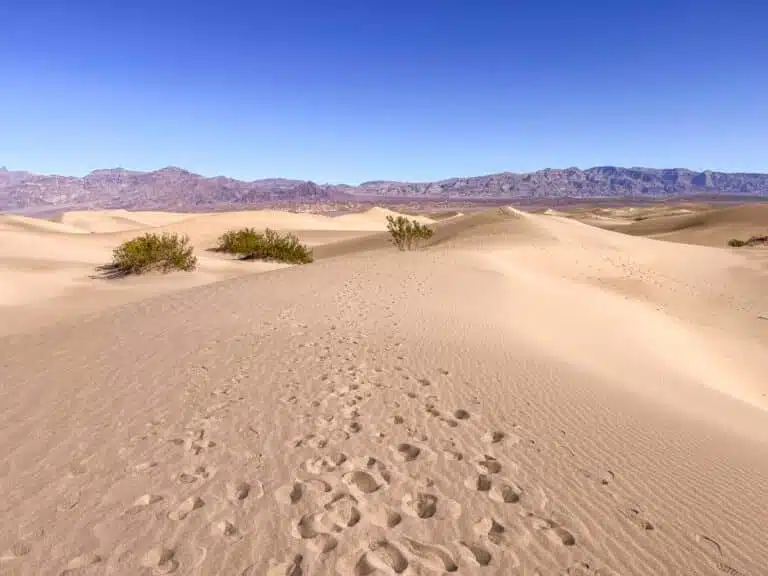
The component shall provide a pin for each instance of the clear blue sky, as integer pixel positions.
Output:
(353, 90)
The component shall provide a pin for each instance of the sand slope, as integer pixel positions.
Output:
(100, 221)
(713, 227)
(48, 267)
(529, 395)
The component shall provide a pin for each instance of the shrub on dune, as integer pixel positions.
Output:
(752, 241)
(154, 252)
(271, 245)
(407, 234)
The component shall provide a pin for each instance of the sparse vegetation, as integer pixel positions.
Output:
(752, 241)
(406, 233)
(249, 244)
(153, 252)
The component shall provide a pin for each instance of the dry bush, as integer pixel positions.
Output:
(407, 234)
(249, 244)
(752, 241)
(153, 252)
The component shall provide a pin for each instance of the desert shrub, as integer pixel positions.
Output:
(271, 245)
(752, 241)
(153, 252)
(239, 242)
(407, 234)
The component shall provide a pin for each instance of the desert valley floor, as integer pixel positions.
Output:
(579, 393)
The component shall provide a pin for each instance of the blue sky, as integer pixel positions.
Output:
(354, 90)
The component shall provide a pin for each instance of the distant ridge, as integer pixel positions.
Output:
(177, 189)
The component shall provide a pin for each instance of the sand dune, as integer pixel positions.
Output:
(100, 221)
(713, 227)
(13, 222)
(48, 266)
(527, 395)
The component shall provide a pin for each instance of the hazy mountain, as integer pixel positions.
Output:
(174, 188)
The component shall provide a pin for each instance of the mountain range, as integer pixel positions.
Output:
(173, 188)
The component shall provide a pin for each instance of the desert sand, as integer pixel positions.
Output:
(528, 394)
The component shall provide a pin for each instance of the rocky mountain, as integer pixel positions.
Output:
(169, 188)
(174, 188)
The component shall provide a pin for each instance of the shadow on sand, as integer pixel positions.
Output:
(109, 272)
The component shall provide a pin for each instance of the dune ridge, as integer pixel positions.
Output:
(529, 394)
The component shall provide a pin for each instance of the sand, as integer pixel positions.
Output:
(527, 395)
(48, 267)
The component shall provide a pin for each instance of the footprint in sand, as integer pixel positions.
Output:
(295, 491)
(634, 516)
(479, 483)
(710, 543)
(338, 514)
(491, 529)
(198, 447)
(325, 464)
(453, 455)
(407, 452)
(186, 478)
(311, 440)
(238, 491)
(186, 508)
(431, 556)
(308, 526)
(375, 466)
(505, 492)
(361, 481)
(432, 411)
(161, 560)
(493, 437)
(18, 549)
(489, 465)
(142, 503)
(191, 476)
(342, 511)
(420, 505)
(381, 556)
(80, 563)
(607, 478)
(475, 553)
(384, 517)
(350, 412)
(716, 553)
(554, 531)
(461, 414)
(323, 543)
(68, 502)
(353, 427)
(144, 466)
(290, 567)
(224, 528)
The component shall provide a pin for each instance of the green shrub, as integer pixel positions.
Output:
(152, 252)
(407, 234)
(250, 245)
(752, 241)
(239, 242)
